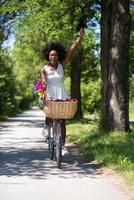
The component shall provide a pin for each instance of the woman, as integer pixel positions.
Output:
(52, 73)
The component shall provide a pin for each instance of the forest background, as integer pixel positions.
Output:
(32, 24)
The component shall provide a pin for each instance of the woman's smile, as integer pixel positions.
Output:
(53, 57)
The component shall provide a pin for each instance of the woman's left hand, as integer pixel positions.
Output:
(82, 31)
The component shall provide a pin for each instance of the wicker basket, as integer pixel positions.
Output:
(60, 110)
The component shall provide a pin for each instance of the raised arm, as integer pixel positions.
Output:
(73, 47)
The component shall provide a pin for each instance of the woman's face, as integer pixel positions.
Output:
(53, 57)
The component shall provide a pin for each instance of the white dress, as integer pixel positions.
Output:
(55, 84)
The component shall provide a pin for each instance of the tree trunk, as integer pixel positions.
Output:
(115, 65)
(106, 11)
(75, 81)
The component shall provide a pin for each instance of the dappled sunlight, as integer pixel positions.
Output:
(35, 163)
(23, 151)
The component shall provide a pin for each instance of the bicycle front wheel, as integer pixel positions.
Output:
(58, 141)
(51, 143)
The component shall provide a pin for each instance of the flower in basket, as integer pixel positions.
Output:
(39, 89)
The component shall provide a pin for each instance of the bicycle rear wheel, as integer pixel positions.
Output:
(58, 143)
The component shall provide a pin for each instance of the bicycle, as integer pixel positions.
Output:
(54, 140)
(56, 111)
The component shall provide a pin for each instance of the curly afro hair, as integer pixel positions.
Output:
(56, 47)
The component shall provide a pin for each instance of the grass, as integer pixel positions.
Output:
(112, 150)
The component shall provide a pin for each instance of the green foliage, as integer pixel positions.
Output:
(131, 111)
(26, 70)
(90, 93)
(7, 87)
(113, 150)
(90, 63)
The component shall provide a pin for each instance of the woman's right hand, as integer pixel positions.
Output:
(44, 96)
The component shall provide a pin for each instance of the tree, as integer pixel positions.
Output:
(115, 33)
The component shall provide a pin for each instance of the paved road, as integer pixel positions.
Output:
(27, 173)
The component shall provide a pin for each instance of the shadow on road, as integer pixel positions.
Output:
(27, 155)
(35, 162)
